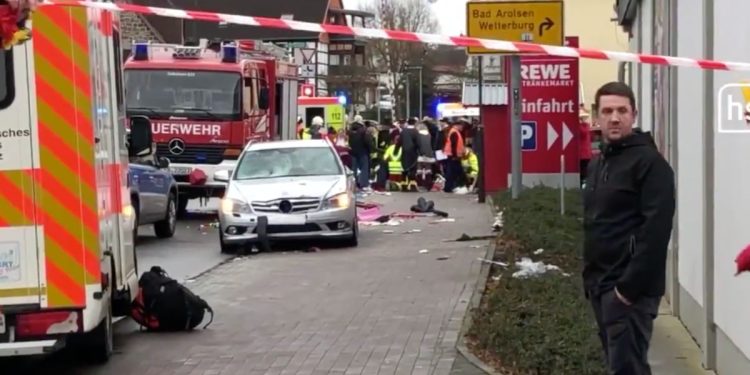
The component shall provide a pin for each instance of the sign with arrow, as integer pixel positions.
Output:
(516, 21)
(549, 93)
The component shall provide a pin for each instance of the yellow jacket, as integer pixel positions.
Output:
(393, 159)
(470, 162)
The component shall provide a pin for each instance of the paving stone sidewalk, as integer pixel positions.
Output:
(381, 308)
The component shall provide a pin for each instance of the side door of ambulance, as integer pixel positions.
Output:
(20, 237)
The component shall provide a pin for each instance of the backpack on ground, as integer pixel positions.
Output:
(163, 304)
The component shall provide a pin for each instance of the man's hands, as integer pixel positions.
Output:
(622, 298)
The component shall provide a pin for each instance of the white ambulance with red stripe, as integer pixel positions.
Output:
(207, 102)
(67, 258)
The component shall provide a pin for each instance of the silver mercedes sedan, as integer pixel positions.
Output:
(297, 189)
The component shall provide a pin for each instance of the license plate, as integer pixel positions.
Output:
(2, 324)
(287, 219)
(180, 170)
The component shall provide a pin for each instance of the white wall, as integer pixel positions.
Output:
(690, 158)
(645, 19)
(732, 179)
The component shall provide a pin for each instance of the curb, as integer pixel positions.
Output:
(474, 302)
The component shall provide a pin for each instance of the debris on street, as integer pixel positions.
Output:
(501, 264)
(424, 251)
(465, 237)
(498, 224)
(443, 220)
(529, 268)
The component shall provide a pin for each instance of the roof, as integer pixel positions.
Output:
(307, 11)
(294, 143)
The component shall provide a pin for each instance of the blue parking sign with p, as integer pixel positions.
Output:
(528, 135)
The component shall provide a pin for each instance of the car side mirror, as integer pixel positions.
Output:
(349, 172)
(263, 98)
(163, 163)
(140, 142)
(222, 175)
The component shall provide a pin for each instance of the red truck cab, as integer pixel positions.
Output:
(206, 103)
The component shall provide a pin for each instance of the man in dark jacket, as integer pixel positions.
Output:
(409, 139)
(361, 145)
(629, 204)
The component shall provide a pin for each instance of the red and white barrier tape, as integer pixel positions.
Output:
(499, 45)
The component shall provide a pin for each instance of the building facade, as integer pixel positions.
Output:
(691, 114)
(309, 49)
(589, 21)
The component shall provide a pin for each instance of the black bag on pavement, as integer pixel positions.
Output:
(163, 304)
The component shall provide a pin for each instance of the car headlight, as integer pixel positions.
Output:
(343, 200)
(233, 206)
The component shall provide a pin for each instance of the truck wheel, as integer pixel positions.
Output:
(166, 227)
(99, 343)
(182, 203)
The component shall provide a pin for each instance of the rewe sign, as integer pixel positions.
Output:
(549, 101)
(537, 72)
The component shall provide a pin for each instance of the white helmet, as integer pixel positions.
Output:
(317, 120)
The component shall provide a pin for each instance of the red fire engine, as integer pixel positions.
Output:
(207, 102)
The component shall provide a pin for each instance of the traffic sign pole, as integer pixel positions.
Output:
(515, 127)
(480, 137)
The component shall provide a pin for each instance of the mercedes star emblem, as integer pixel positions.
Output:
(176, 146)
(285, 206)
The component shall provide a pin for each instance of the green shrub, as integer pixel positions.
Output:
(542, 324)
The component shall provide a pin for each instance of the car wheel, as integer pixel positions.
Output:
(135, 224)
(225, 248)
(167, 227)
(353, 240)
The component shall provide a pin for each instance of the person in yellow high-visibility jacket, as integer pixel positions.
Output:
(470, 162)
(392, 156)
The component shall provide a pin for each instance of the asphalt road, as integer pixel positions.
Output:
(392, 306)
(192, 252)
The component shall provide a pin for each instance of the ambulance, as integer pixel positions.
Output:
(67, 258)
(206, 102)
(328, 108)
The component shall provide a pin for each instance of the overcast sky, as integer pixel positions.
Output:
(450, 13)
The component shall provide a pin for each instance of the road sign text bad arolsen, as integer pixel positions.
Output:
(528, 21)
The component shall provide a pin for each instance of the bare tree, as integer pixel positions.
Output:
(392, 56)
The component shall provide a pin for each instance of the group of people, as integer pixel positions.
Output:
(405, 156)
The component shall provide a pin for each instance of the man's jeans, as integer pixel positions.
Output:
(625, 332)
(361, 164)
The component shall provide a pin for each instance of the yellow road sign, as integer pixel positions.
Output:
(517, 21)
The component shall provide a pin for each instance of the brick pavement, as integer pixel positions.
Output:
(382, 308)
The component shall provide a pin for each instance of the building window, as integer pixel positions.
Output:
(334, 60)
(7, 91)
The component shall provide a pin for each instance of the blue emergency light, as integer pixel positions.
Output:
(229, 53)
(140, 51)
(342, 99)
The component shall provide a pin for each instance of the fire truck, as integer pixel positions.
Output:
(207, 102)
(67, 259)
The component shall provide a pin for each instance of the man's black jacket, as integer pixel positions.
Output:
(360, 141)
(629, 204)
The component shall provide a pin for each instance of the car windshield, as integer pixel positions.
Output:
(288, 162)
(195, 94)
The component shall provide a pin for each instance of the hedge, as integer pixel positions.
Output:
(542, 324)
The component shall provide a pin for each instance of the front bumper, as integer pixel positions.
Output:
(330, 223)
(180, 172)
